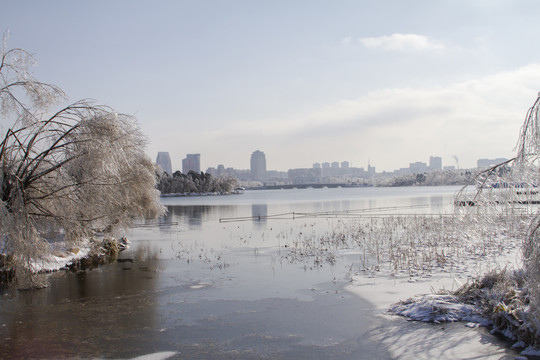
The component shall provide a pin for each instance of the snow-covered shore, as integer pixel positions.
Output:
(429, 300)
(60, 256)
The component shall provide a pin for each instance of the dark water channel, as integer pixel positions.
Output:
(198, 288)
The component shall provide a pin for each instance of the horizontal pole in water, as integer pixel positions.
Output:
(356, 213)
(154, 224)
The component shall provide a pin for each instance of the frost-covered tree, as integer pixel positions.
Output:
(527, 165)
(69, 173)
(506, 197)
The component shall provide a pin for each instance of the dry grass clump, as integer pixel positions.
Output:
(504, 299)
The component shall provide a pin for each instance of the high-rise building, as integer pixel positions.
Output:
(192, 162)
(371, 170)
(164, 160)
(435, 163)
(258, 165)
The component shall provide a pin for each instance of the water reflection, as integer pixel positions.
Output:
(436, 202)
(82, 315)
(337, 206)
(193, 216)
(259, 212)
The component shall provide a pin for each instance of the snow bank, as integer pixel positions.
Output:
(62, 257)
(157, 356)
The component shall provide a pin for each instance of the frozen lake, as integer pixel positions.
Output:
(212, 280)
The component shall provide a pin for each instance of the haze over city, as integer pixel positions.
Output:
(388, 82)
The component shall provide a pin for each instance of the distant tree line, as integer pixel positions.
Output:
(432, 178)
(193, 182)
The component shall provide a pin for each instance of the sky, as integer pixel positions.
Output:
(381, 82)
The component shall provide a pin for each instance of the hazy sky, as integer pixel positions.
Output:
(392, 82)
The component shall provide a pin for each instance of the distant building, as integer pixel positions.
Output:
(418, 167)
(483, 163)
(344, 164)
(435, 163)
(192, 162)
(275, 175)
(258, 165)
(304, 176)
(164, 161)
(317, 165)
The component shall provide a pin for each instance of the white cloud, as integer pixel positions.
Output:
(347, 40)
(399, 42)
(473, 119)
(498, 98)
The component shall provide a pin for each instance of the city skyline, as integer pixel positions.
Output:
(257, 156)
(348, 81)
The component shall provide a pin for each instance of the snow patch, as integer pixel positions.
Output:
(157, 356)
(62, 257)
(439, 308)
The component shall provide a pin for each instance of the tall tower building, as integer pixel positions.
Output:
(435, 163)
(164, 161)
(370, 169)
(258, 165)
(192, 162)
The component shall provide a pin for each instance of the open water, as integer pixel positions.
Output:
(210, 280)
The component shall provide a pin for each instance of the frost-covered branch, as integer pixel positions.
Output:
(20, 93)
